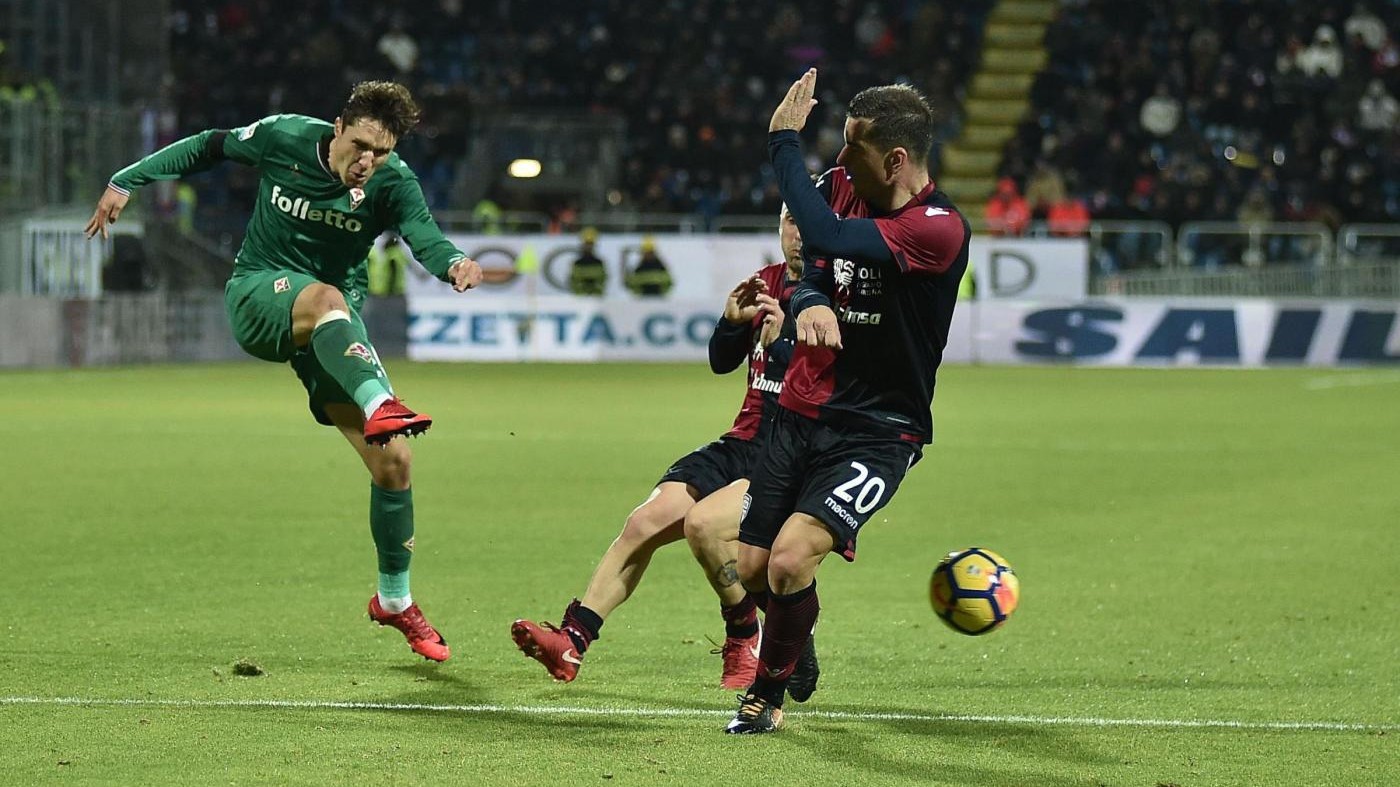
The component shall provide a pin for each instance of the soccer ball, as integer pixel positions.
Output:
(974, 590)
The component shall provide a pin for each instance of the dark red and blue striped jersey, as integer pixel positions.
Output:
(731, 344)
(894, 312)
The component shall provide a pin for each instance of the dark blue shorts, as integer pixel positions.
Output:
(839, 477)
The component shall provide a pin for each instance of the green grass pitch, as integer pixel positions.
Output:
(1209, 563)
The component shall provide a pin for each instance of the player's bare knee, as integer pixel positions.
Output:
(321, 299)
(390, 467)
(650, 527)
(699, 528)
(790, 570)
(642, 526)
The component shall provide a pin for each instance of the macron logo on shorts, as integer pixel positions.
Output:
(744, 511)
(282, 285)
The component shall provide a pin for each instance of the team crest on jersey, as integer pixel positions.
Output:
(282, 285)
(246, 133)
(360, 351)
(357, 195)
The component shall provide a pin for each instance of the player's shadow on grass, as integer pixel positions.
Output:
(855, 743)
(840, 740)
(434, 685)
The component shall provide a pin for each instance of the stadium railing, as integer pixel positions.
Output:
(1211, 244)
(1357, 242)
(1365, 279)
(51, 150)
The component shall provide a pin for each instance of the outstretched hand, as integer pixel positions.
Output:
(741, 306)
(464, 274)
(817, 327)
(792, 112)
(109, 207)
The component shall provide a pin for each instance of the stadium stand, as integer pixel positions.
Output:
(1231, 111)
(694, 81)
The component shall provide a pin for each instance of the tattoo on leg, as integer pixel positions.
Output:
(728, 574)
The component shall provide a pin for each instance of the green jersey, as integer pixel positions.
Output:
(306, 220)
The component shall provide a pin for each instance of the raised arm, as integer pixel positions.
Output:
(823, 233)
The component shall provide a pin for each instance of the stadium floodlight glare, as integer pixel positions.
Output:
(524, 168)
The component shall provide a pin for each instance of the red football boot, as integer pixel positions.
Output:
(549, 646)
(740, 655)
(421, 635)
(392, 418)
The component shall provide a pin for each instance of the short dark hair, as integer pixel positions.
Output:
(387, 102)
(900, 117)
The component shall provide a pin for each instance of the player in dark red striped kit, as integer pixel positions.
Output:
(699, 497)
(884, 254)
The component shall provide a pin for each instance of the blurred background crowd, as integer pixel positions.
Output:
(1250, 111)
(695, 81)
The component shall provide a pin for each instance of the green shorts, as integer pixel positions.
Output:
(259, 309)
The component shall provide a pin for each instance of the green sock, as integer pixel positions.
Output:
(391, 524)
(344, 351)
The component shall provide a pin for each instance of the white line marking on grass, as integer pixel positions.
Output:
(1353, 380)
(693, 713)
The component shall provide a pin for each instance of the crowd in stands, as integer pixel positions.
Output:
(695, 80)
(1237, 110)
(1249, 110)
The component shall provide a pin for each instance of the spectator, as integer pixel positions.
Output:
(1007, 212)
(399, 48)
(1069, 217)
(1366, 26)
(1161, 112)
(1324, 57)
(1377, 111)
(1256, 208)
(1045, 188)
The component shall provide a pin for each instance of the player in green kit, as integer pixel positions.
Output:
(326, 192)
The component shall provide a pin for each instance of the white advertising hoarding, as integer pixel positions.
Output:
(1029, 269)
(1031, 307)
(1179, 332)
(707, 266)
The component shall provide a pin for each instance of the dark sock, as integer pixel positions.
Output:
(760, 599)
(581, 624)
(786, 629)
(740, 620)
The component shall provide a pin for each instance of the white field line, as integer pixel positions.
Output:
(1352, 380)
(696, 713)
